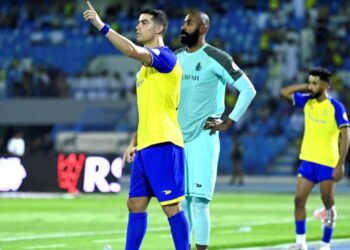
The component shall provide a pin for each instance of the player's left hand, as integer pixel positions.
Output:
(91, 15)
(216, 124)
(338, 172)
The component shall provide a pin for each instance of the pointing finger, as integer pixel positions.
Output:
(90, 6)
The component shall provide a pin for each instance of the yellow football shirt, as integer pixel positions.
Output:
(158, 96)
(323, 121)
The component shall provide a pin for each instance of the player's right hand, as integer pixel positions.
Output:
(129, 154)
(91, 15)
(338, 172)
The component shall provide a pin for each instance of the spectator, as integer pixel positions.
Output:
(16, 145)
(236, 156)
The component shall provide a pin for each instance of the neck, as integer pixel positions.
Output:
(157, 42)
(322, 97)
(197, 46)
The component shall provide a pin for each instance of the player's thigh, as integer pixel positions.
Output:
(304, 187)
(164, 165)
(306, 180)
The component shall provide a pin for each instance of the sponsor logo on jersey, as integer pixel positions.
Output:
(190, 77)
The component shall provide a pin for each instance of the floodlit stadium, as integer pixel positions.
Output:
(268, 80)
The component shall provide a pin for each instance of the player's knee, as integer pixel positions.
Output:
(171, 209)
(299, 202)
(135, 206)
(131, 205)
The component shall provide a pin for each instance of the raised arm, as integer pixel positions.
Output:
(288, 91)
(120, 42)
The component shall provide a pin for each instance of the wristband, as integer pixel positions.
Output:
(105, 29)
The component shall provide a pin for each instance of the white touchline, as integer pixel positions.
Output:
(257, 223)
(79, 234)
(72, 234)
(45, 246)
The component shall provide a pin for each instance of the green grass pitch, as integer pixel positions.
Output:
(91, 222)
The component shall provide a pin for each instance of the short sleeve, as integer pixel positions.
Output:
(226, 68)
(300, 99)
(163, 59)
(340, 113)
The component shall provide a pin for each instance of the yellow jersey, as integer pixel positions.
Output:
(323, 121)
(158, 96)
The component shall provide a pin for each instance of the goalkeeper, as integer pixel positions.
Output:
(206, 70)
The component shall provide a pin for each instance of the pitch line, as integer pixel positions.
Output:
(108, 240)
(45, 246)
(159, 229)
(73, 234)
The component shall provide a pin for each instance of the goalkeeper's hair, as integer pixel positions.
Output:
(158, 16)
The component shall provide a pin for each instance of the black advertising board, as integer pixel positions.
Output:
(58, 172)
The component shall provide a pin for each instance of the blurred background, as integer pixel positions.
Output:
(67, 97)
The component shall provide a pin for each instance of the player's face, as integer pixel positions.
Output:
(145, 29)
(316, 86)
(189, 31)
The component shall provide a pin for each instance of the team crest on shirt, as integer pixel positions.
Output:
(198, 66)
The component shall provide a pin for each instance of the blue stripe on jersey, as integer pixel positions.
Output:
(340, 113)
(163, 59)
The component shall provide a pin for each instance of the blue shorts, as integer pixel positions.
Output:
(158, 171)
(315, 172)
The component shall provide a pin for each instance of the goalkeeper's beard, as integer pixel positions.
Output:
(190, 39)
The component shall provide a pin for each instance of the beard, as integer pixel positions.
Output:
(316, 95)
(190, 39)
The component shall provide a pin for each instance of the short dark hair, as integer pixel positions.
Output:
(158, 16)
(323, 73)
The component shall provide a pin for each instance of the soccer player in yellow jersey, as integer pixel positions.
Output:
(156, 150)
(322, 157)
